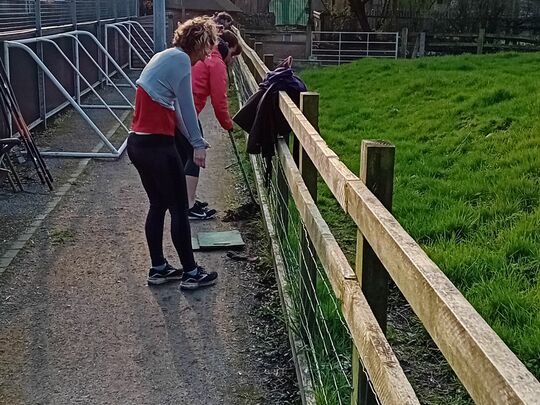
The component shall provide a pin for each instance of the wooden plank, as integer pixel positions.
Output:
(309, 105)
(330, 254)
(268, 60)
(252, 59)
(481, 40)
(404, 41)
(385, 372)
(332, 170)
(376, 172)
(422, 45)
(491, 373)
(377, 355)
(258, 48)
(497, 377)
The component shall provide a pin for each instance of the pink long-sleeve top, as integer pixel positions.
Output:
(209, 79)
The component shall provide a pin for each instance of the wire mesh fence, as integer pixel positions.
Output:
(316, 315)
(21, 15)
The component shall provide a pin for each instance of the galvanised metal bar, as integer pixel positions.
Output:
(100, 69)
(62, 90)
(125, 25)
(127, 41)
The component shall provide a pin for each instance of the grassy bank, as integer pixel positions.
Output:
(467, 175)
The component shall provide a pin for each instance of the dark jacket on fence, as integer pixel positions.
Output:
(261, 117)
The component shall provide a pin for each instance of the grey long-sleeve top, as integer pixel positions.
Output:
(167, 80)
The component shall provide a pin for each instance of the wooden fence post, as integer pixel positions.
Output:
(268, 59)
(422, 47)
(481, 41)
(281, 181)
(377, 173)
(309, 105)
(259, 49)
(404, 41)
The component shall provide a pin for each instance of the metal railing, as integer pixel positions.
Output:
(335, 47)
(28, 15)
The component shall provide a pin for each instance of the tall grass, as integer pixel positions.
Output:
(467, 174)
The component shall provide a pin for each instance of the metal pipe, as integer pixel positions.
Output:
(149, 44)
(6, 67)
(114, 107)
(129, 53)
(77, 78)
(121, 24)
(63, 91)
(84, 79)
(81, 154)
(75, 37)
(130, 45)
(159, 25)
(107, 53)
(130, 24)
(108, 56)
(143, 30)
(101, 155)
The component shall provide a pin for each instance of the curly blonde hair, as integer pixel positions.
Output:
(197, 34)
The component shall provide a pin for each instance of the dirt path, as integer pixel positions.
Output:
(79, 325)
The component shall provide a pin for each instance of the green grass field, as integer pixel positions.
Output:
(467, 175)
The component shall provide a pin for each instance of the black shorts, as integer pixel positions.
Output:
(186, 153)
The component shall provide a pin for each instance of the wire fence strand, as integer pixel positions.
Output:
(316, 315)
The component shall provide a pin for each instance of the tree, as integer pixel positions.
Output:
(358, 9)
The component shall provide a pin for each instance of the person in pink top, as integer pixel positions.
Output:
(210, 79)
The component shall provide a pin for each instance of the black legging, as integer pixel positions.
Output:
(162, 173)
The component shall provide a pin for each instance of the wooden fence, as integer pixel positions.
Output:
(490, 372)
(425, 43)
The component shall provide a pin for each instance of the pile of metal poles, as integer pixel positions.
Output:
(10, 110)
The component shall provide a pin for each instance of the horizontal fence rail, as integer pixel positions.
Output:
(490, 372)
(335, 47)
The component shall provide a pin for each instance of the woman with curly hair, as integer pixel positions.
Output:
(164, 101)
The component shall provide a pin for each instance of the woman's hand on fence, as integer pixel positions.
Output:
(199, 157)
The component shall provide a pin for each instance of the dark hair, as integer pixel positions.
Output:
(231, 40)
(196, 34)
(223, 19)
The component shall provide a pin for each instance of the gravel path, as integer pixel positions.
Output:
(78, 325)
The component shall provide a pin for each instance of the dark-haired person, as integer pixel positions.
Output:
(210, 79)
(164, 82)
(223, 20)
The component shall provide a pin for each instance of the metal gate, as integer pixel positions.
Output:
(335, 48)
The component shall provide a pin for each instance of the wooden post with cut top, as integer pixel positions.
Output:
(377, 173)
(268, 60)
(309, 105)
(422, 46)
(258, 49)
(404, 41)
(481, 41)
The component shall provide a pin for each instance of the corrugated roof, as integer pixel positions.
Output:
(204, 5)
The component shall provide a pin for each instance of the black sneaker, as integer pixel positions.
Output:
(202, 204)
(169, 273)
(201, 279)
(197, 212)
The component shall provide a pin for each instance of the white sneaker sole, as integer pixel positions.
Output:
(194, 286)
(159, 281)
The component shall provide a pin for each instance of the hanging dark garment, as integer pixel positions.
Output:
(261, 116)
